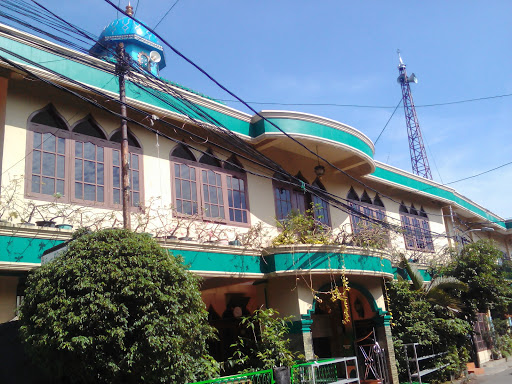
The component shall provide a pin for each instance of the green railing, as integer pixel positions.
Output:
(339, 370)
(342, 370)
(259, 377)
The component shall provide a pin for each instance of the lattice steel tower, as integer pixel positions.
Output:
(419, 159)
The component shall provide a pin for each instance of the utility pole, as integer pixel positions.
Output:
(121, 70)
(419, 159)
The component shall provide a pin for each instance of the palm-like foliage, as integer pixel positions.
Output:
(439, 290)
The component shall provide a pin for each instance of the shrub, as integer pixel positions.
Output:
(116, 308)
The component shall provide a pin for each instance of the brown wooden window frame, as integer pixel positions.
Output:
(417, 237)
(357, 222)
(299, 201)
(71, 138)
(199, 191)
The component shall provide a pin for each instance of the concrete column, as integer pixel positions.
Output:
(386, 341)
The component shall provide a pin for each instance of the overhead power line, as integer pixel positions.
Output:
(82, 33)
(166, 13)
(368, 106)
(390, 117)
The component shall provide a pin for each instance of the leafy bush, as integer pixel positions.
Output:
(266, 344)
(116, 308)
(415, 321)
(302, 228)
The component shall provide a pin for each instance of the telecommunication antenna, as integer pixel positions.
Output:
(419, 159)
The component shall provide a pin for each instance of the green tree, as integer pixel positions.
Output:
(416, 321)
(116, 308)
(440, 290)
(265, 344)
(477, 266)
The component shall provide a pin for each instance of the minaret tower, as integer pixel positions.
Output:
(419, 159)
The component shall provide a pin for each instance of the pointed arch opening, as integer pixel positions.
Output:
(89, 126)
(183, 153)
(116, 137)
(233, 164)
(49, 117)
(209, 159)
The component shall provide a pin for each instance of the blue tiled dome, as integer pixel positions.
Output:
(126, 27)
(139, 43)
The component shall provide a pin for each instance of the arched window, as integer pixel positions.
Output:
(289, 196)
(46, 161)
(132, 140)
(320, 206)
(365, 211)
(79, 164)
(209, 159)
(416, 229)
(89, 127)
(205, 189)
(134, 169)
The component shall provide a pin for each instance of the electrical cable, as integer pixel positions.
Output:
(337, 204)
(369, 106)
(322, 191)
(368, 188)
(177, 52)
(166, 13)
(390, 117)
(364, 185)
(351, 211)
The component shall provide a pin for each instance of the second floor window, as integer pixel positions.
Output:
(288, 197)
(416, 229)
(78, 163)
(209, 189)
(365, 211)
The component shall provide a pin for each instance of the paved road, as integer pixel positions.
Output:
(501, 374)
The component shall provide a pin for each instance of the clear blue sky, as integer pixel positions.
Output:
(344, 52)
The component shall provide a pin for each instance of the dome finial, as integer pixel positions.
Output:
(129, 9)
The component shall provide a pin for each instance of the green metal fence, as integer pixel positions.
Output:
(339, 370)
(342, 370)
(259, 377)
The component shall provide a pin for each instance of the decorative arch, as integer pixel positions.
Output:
(133, 141)
(403, 208)
(377, 201)
(365, 198)
(352, 194)
(183, 153)
(89, 126)
(301, 177)
(233, 164)
(364, 291)
(209, 159)
(48, 116)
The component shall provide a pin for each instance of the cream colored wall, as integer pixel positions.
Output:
(157, 173)
(283, 296)
(8, 285)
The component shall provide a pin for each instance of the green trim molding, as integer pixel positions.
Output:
(297, 126)
(446, 194)
(321, 260)
(15, 249)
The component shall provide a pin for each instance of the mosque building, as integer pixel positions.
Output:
(196, 185)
